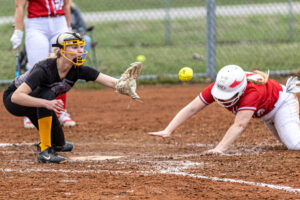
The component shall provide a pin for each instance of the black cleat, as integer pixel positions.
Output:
(68, 146)
(50, 156)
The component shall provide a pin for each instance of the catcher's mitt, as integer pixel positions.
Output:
(127, 82)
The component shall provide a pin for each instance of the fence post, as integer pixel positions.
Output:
(167, 23)
(211, 39)
(291, 21)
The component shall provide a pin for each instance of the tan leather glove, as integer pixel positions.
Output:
(127, 82)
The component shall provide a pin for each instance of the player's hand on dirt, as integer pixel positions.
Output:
(56, 105)
(213, 152)
(127, 82)
(163, 133)
(16, 39)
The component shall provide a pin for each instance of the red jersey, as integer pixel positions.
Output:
(260, 98)
(45, 8)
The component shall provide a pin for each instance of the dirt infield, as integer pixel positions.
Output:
(138, 166)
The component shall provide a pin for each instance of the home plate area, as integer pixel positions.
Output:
(115, 158)
(93, 158)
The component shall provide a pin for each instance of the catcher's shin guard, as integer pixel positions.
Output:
(45, 124)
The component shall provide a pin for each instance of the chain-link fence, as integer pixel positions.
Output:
(172, 34)
(259, 36)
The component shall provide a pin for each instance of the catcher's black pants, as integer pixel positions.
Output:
(57, 134)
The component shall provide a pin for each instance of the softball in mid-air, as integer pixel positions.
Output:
(141, 58)
(185, 74)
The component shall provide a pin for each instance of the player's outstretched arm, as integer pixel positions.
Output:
(106, 80)
(242, 119)
(184, 114)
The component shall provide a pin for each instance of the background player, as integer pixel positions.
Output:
(78, 24)
(33, 93)
(46, 19)
(247, 95)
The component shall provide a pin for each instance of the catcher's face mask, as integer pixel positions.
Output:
(72, 43)
(230, 84)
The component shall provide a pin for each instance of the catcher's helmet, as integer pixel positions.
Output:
(67, 39)
(230, 84)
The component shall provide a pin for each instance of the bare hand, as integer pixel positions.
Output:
(56, 105)
(213, 152)
(160, 133)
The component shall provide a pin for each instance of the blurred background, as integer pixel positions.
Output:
(171, 34)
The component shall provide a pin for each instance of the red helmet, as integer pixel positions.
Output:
(230, 84)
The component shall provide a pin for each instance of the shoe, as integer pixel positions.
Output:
(67, 147)
(50, 156)
(28, 123)
(65, 119)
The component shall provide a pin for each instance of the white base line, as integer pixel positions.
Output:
(16, 144)
(278, 187)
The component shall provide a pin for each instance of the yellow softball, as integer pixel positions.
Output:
(185, 74)
(141, 58)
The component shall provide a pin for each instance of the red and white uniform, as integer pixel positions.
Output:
(259, 98)
(45, 22)
(278, 109)
(45, 8)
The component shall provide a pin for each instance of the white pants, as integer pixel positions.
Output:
(283, 121)
(40, 34)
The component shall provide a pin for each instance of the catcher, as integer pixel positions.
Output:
(33, 93)
(248, 94)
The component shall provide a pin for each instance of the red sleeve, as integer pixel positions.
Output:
(249, 101)
(206, 95)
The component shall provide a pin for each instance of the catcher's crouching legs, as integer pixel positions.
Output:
(50, 132)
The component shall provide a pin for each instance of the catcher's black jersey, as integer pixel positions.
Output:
(45, 74)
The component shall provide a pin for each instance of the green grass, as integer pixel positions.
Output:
(264, 28)
(253, 42)
(8, 6)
